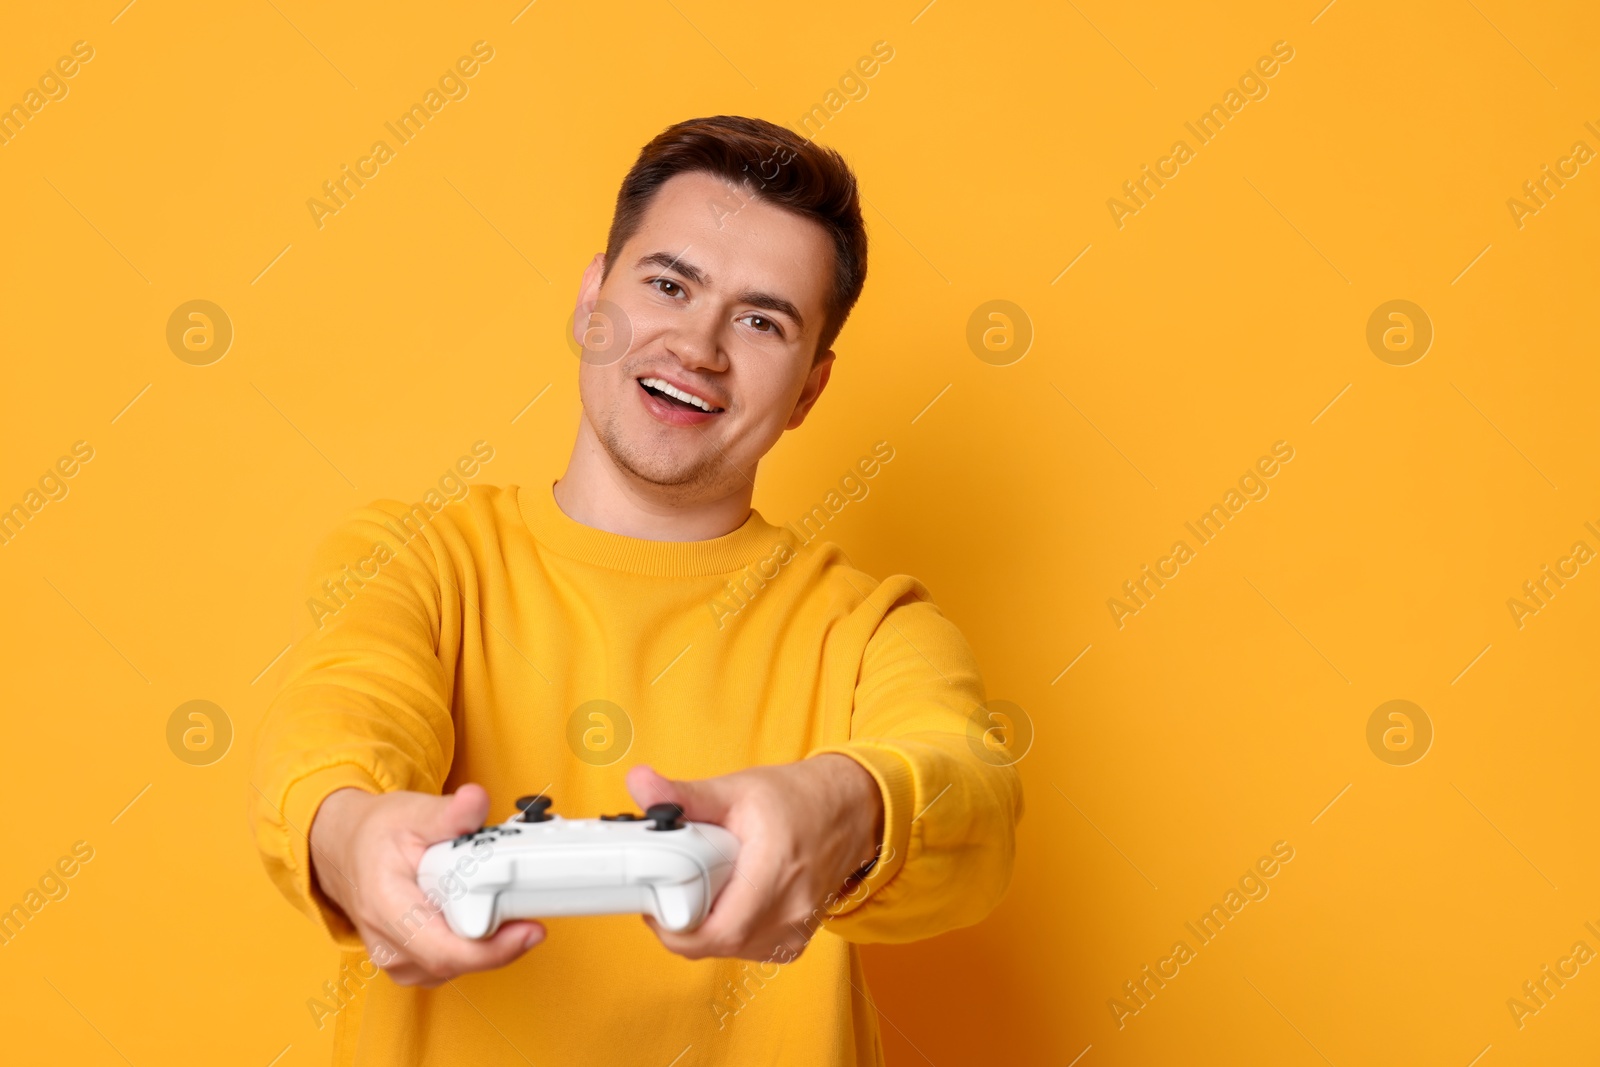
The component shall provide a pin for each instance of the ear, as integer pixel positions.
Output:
(588, 295)
(816, 382)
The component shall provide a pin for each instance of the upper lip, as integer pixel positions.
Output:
(702, 394)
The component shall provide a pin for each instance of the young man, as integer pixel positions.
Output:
(638, 631)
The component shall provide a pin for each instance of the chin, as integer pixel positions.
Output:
(662, 468)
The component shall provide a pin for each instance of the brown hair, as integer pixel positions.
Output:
(772, 164)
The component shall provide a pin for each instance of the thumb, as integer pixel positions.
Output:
(702, 800)
(459, 813)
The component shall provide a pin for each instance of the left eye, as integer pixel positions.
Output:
(667, 286)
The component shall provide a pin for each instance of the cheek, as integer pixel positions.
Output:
(780, 401)
(602, 390)
(649, 325)
(609, 335)
(763, 403)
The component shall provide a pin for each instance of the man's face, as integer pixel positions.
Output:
(719, 296)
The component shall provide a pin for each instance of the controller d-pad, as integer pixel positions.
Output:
(486, 833)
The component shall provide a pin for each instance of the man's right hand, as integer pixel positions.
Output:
(365, 848)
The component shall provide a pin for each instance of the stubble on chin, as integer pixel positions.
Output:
(702, 476)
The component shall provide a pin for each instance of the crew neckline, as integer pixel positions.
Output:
(566, 536)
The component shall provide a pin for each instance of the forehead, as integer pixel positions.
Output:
(740, 241)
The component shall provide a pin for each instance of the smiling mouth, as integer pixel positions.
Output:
(677, 397)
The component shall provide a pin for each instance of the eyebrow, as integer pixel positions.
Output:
(753, 297)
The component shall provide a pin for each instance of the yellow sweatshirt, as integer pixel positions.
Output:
(501, 642)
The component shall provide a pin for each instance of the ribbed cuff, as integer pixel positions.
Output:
(897, 787)
(300, 807)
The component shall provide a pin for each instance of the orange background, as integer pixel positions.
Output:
(1224, 316)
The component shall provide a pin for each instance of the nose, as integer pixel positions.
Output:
(695, 340)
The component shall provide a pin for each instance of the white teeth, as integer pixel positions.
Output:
(675, 393)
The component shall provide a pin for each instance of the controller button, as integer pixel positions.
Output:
(665, 817)
(534, 808)
(626, 816)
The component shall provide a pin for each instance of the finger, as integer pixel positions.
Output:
(703, 800)
(459, 813)
(648, 787)
(404, 973)
(725, 931)
(438, 951)
(781, 944)
(414, 924)
(694, 945)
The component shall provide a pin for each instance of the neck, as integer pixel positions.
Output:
(599, 494)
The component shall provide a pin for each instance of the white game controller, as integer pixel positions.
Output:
(537, 865)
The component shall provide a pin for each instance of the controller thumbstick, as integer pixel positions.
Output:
(664, 817)
(535, 808)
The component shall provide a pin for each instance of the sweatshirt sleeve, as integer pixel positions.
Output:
(951, 802)
(366, 698)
